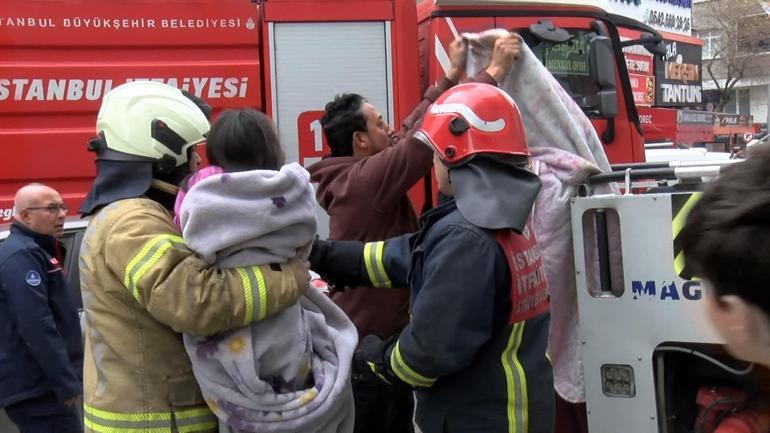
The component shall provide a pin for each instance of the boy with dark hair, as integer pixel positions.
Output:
(727, 242)
(343, 118)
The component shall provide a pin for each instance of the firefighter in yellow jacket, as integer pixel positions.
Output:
(141, 286)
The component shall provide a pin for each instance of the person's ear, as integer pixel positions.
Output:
(23, 215)
(360, 140)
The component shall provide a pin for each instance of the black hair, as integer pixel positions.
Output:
(244, 139)
(726, 237)
(183, 171)
(200, 102)
(342, 119)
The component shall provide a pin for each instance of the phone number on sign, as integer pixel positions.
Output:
(667, 20)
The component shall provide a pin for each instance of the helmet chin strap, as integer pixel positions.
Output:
(164, 186)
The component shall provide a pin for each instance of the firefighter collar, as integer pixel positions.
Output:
(117, 180)
(493, 194)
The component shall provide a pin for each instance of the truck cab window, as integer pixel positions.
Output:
(569, 63)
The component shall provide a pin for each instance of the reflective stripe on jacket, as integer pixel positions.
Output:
(190, 420)
(474, 370)
(141, 288)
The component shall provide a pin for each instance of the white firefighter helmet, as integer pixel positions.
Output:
(151, 120)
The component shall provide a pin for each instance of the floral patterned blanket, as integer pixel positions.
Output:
(565, 150)
(289, 372)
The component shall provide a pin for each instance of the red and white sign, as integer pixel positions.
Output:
(639, 64)
(82, 87)
(643, 88)
(311, 138)
(106, 23)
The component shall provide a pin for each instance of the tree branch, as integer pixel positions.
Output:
(713, 77)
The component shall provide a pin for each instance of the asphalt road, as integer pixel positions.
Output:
(6, 426)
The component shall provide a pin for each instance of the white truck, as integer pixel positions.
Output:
(651, 360)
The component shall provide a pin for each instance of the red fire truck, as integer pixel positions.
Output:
(289, 57)
(285, 57)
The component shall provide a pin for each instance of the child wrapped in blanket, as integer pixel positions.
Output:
(289, 372)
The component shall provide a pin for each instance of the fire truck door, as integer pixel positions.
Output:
(313, 62)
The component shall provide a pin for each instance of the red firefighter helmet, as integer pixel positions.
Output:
(470, 119)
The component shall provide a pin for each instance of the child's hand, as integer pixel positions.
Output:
(318, 282)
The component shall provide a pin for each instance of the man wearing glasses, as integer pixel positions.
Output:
(40, 341)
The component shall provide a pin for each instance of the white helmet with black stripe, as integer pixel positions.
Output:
(150, 120)
(146, 135)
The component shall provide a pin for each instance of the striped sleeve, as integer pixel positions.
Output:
(405, 372)
(182, 291)
(452, 314)
(386, 263)
(375, 265)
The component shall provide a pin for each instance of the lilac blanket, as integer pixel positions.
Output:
(289, 372)
(566, 150)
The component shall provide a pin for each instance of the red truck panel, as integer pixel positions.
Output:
(676, 126)
(626, 147)
(58, 59)
(335, 10)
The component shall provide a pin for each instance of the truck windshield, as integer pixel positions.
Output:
(568, 62)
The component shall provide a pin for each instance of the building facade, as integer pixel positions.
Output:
(736, 47)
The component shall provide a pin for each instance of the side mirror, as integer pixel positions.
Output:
(608, 100)
(601, 63)
(545, 30)
(658, 48)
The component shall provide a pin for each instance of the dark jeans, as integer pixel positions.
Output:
(44, 415)
(380, 408)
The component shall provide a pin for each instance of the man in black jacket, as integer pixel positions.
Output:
(40, 339)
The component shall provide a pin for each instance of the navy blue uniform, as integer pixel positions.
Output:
(475, 348)
(41, 348)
